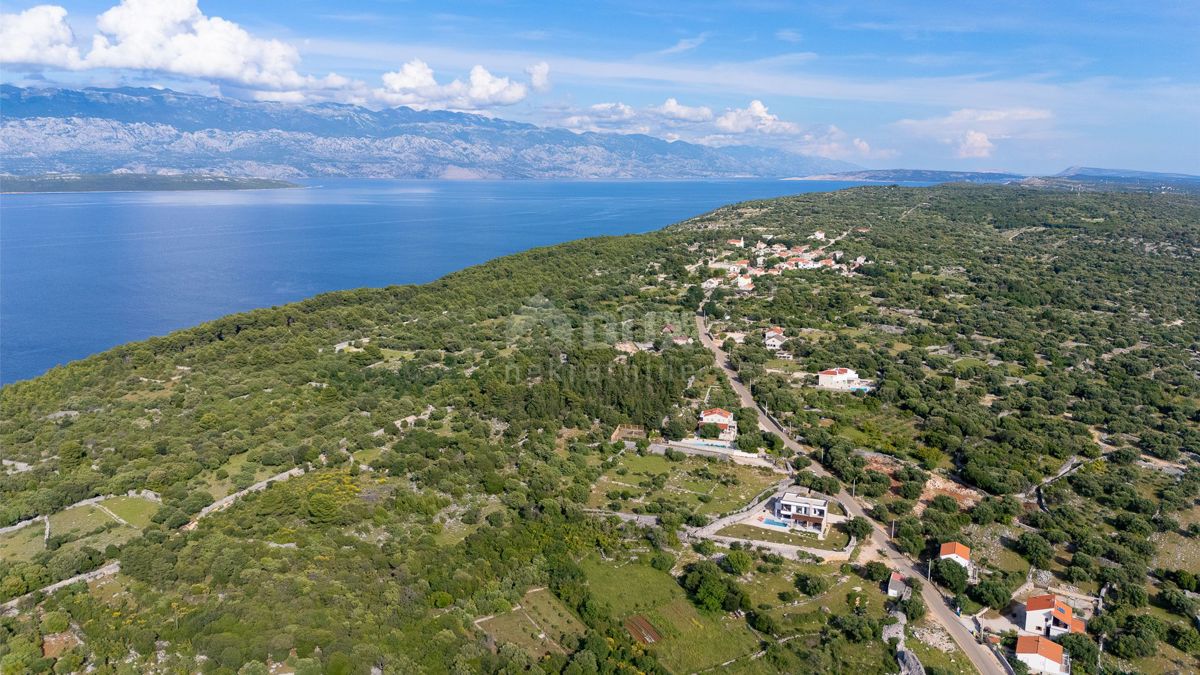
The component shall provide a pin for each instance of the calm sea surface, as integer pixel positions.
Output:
(80, 273)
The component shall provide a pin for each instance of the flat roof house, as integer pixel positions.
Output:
(1042, 655)
(1050, 616)
(802, 512)
(959, 553)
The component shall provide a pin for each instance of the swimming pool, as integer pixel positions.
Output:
(776, 523)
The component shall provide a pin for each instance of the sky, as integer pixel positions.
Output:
(1031, 87)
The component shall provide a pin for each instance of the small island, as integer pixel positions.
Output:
(133, 182)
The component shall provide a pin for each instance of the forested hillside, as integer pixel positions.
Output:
(1037, 354)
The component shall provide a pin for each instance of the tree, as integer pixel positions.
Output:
(875, 571)
(951, 575)
(913, 607)
(811, 584)
(993, 593)
(1035, 549)
(858, 527)
(738, 562)
(1083, 652)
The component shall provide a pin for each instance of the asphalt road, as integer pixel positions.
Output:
(981, 657)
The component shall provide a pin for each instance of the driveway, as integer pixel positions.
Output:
(939, 608)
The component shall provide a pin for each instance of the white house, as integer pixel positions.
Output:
(802, 512)
(836, 378)
(723, 420)
(1042, 655)
(843, 379)
(1048, 615)
(819, 235)
(774, 338)
(710, 284)
(959, 553)
(896, 585)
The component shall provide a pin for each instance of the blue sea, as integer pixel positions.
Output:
(80, 273)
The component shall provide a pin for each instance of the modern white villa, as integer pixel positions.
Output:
(803, 512)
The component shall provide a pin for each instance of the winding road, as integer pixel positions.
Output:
(984, 660)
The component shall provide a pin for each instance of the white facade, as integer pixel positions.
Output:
(809, 514)
(1040, 664)
(723, 419)
(837, 378)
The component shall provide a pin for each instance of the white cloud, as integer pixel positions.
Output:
(415, 85)
(168, 36)
(754, 118)
(674, 110)
(972, 132)
(615, 116)
(974, 144)
(175, 37)
(539, 76)
(788, 35)
(38, 36)
(684, 45)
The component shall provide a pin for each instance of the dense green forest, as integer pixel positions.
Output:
(453, 434)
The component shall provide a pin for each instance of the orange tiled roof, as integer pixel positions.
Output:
(955, 548)
(1039, 602)
(1029, 644)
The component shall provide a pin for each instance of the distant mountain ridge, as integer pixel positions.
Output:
(153, 130)
(1073, 178)
(919, 176)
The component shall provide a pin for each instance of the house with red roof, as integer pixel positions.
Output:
(843, 379)
(723, 420)
(956, 551)
(1042, 655)
(1050, 616)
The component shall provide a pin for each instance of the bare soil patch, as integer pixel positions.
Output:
(642, 630)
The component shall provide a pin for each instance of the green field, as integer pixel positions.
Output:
(134, 510)
(704, 486)
(539, 625)
(835, 539)
(89, 526)
(691, 640)
(24, 543)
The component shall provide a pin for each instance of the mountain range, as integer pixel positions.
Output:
(157, 130)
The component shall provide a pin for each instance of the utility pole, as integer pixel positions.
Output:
(893, 536)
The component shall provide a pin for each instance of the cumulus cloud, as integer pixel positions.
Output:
(754, 118)
(168, 36)
(972, 132)
(38, 36)
(415, 85)
(974, 144)
(674, 110)
(539, 76)
(175, 37)
(612, 116)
